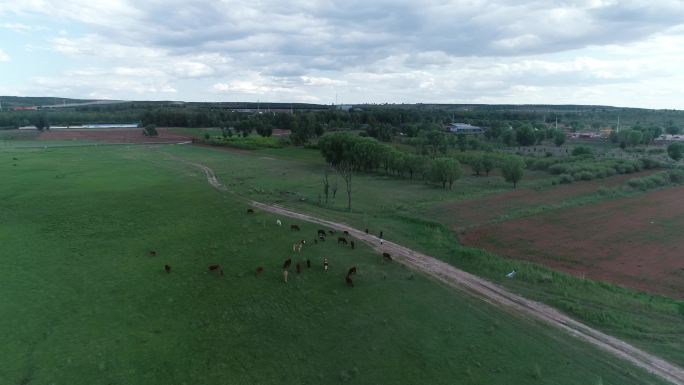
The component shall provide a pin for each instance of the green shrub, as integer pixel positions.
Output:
(582, 150)
(584, 175)
(676, 176)
(566, 179)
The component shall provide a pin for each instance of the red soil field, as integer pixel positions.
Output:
(477, 212)
(635, 242)
(119, 135)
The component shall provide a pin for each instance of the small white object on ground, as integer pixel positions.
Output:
(511, 274)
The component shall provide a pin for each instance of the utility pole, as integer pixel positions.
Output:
(618, 124)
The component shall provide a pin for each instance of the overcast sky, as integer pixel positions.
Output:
(623, 53)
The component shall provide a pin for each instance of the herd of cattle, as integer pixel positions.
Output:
(321, 235)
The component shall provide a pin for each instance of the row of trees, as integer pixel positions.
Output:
(347, 154)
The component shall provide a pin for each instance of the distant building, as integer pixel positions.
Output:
(464, 128)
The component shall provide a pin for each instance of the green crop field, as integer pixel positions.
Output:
(83, 302)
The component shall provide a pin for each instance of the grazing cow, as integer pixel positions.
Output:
(278, 222)
(350, 283)
(352, 270)
(352, 244)
(308, 264)
(381, 235)
(297, 247)
(299, 268)
(285, 273)
(250, 211)
(294, 227)
(259, 270)
(325, 264)
(287, 263)
(321, 233)
(216, 268)
(387, 257)
(366, 230)
(167, 268)
(321, 238)
(342, 240)
(346, 232)
(152, 252)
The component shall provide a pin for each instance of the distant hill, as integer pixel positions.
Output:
(30, 101)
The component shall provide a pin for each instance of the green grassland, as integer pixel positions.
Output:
(83, 302)
(293, 177)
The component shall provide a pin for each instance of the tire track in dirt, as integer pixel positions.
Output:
(482, 289)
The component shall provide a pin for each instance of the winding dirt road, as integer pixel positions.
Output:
(485, 290)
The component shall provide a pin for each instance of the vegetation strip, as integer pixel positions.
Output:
(487, 291)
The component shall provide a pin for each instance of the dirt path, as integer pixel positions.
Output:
(485, 290)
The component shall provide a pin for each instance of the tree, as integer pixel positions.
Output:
(326, 184)
(487, 164)
(41, 121)
(512, 170)
(445, 171)
(581, 150)
(341, 150)
(559, 138)
(676, 151)
(150, 130)
(477, 164)
(525, 135)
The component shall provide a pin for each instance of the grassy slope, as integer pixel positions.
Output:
(294, 177)
(85, 303)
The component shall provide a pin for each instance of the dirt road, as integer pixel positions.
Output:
(485, 290)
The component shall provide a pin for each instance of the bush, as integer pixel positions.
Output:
(584, 175)
(582, 150)
(566, 179)
(676, 176)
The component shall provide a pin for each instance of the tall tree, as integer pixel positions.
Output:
(513, 169)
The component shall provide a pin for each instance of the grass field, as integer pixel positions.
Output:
(84, 303)
(399, 208)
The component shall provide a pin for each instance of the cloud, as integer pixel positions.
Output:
(383, 50)
(3, 56)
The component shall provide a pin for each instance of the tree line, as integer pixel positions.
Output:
(348, 154)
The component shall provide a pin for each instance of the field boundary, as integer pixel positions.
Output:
(481, 288)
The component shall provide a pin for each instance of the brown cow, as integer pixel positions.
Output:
(352, 270)
(294, 227)
(259, 270)
(346, 232)
(342, 240)
(167, 268)
(387, 257)
(349, 281)
(287, 263)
